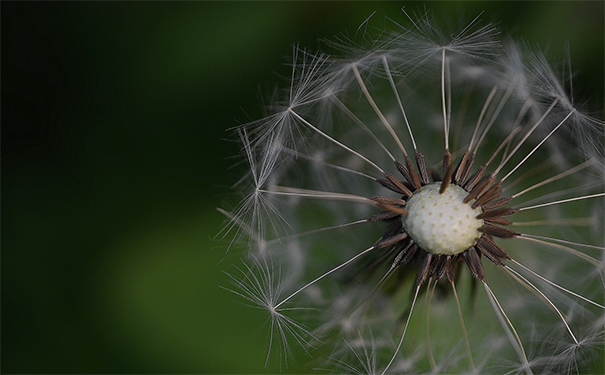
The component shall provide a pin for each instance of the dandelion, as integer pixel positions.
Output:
(428, 201)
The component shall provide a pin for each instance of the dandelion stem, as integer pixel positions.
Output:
(570, 250)
(564, 241)
(498, 110)
(523, 281)
(562, 201)
(508, 327)
(446, 127)
(383, 119)
(404, 331)
(390, 204)
(325, 274)
(319, 230)
(557, 177)
(510, 155)
(330, 165)
(306, 193)
(336, 142)
(388, 72)
(556, 285)
(578, 221)
(466, 341)
(480, 119)
(537, 146)
(356, 119)
(516, 128)
(428, 331)
(504, 143)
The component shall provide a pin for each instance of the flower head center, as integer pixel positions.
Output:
(442, 223)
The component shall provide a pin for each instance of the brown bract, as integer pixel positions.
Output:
(483, 191)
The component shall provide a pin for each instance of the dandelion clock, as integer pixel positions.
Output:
(423, 201)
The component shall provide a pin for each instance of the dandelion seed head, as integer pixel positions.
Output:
(442, 223)
(432, 202)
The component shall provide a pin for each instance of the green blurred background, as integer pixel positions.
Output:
(114, 160)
